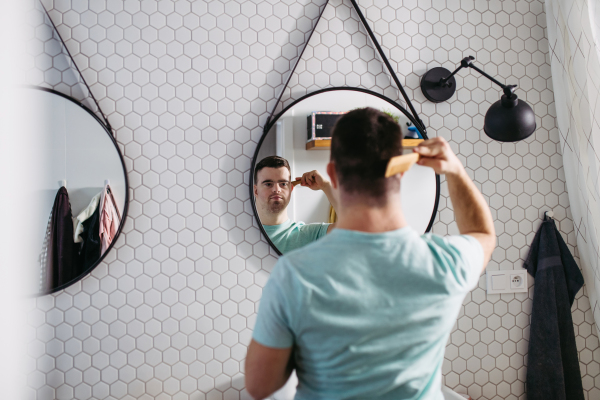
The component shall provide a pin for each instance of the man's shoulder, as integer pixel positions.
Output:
(304, 255)
(460, 242)
(311, 231)
(304, 225)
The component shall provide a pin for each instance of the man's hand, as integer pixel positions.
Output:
(314, 180)
(437, 154)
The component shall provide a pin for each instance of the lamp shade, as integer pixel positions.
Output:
(509, 120)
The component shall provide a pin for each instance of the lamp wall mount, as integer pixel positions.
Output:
(438, 84)
(507, 120)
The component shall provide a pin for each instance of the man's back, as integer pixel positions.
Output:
(369, 314)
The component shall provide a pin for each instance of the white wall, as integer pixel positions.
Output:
(15, 122)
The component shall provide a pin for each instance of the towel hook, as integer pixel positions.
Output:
(548, 214)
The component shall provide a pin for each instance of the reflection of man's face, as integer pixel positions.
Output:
(273, 189)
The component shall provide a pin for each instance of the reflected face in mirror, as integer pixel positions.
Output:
(273, 191)
(293, 216)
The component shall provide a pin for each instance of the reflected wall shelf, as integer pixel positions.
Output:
(325, 144)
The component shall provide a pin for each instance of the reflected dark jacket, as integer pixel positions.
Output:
(61, 256)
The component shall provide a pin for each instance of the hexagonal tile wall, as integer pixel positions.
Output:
(187, 87)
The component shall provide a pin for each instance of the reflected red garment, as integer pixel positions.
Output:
(109, 218)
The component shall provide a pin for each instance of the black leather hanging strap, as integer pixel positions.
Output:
(381, 54)
(388, 65)
(78, 71)
(296, 64)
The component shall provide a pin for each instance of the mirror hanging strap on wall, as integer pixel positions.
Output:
(110, 129)
(421, 125)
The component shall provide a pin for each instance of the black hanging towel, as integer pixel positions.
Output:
(552, 364)
(60, 254)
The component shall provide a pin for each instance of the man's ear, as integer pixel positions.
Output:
(255, 191)
(332, 175)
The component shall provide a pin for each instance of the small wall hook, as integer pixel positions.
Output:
(62, 183)
(548, 214)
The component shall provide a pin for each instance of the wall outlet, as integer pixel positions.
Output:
(516, 281)
(506, 282)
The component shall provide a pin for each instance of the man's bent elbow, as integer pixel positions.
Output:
(256, 388)
(488, 244)
(256, 392)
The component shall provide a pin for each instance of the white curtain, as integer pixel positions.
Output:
(574, 40)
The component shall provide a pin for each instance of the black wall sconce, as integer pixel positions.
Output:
(507, 120)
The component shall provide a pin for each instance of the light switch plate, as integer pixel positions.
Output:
(506, 281)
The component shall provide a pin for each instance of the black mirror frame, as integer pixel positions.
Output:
(272, 121)
(125, 207)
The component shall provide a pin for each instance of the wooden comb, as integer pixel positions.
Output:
(401, 163)
(296, 182)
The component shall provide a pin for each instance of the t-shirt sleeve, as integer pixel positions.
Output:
(460, 258)
(272, 328)
(315, 231)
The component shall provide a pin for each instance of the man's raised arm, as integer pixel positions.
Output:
(473, 216)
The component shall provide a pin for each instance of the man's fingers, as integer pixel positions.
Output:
(434, 163)
(437, 154)
(430, 142)
(310, 179)
(435, 142)
(432, 148)
(429, 151)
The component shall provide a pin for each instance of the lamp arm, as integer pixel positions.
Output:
(465, 62)
(468, 62)
(509, 90)
(487, 76)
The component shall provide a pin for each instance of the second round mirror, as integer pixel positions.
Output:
(79, 195)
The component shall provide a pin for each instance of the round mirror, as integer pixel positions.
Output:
(298, 137)
(80, 194)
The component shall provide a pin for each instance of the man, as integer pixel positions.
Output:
(273, 192)
(365, 313)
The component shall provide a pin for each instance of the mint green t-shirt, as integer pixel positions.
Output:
(369, 315)
(293, 235)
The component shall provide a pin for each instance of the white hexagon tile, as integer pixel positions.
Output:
(187, 86)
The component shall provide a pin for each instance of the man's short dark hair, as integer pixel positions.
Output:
(271, 162)
(362, 143)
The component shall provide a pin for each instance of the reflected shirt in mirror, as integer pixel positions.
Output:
(369, 314)
(292, 235)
